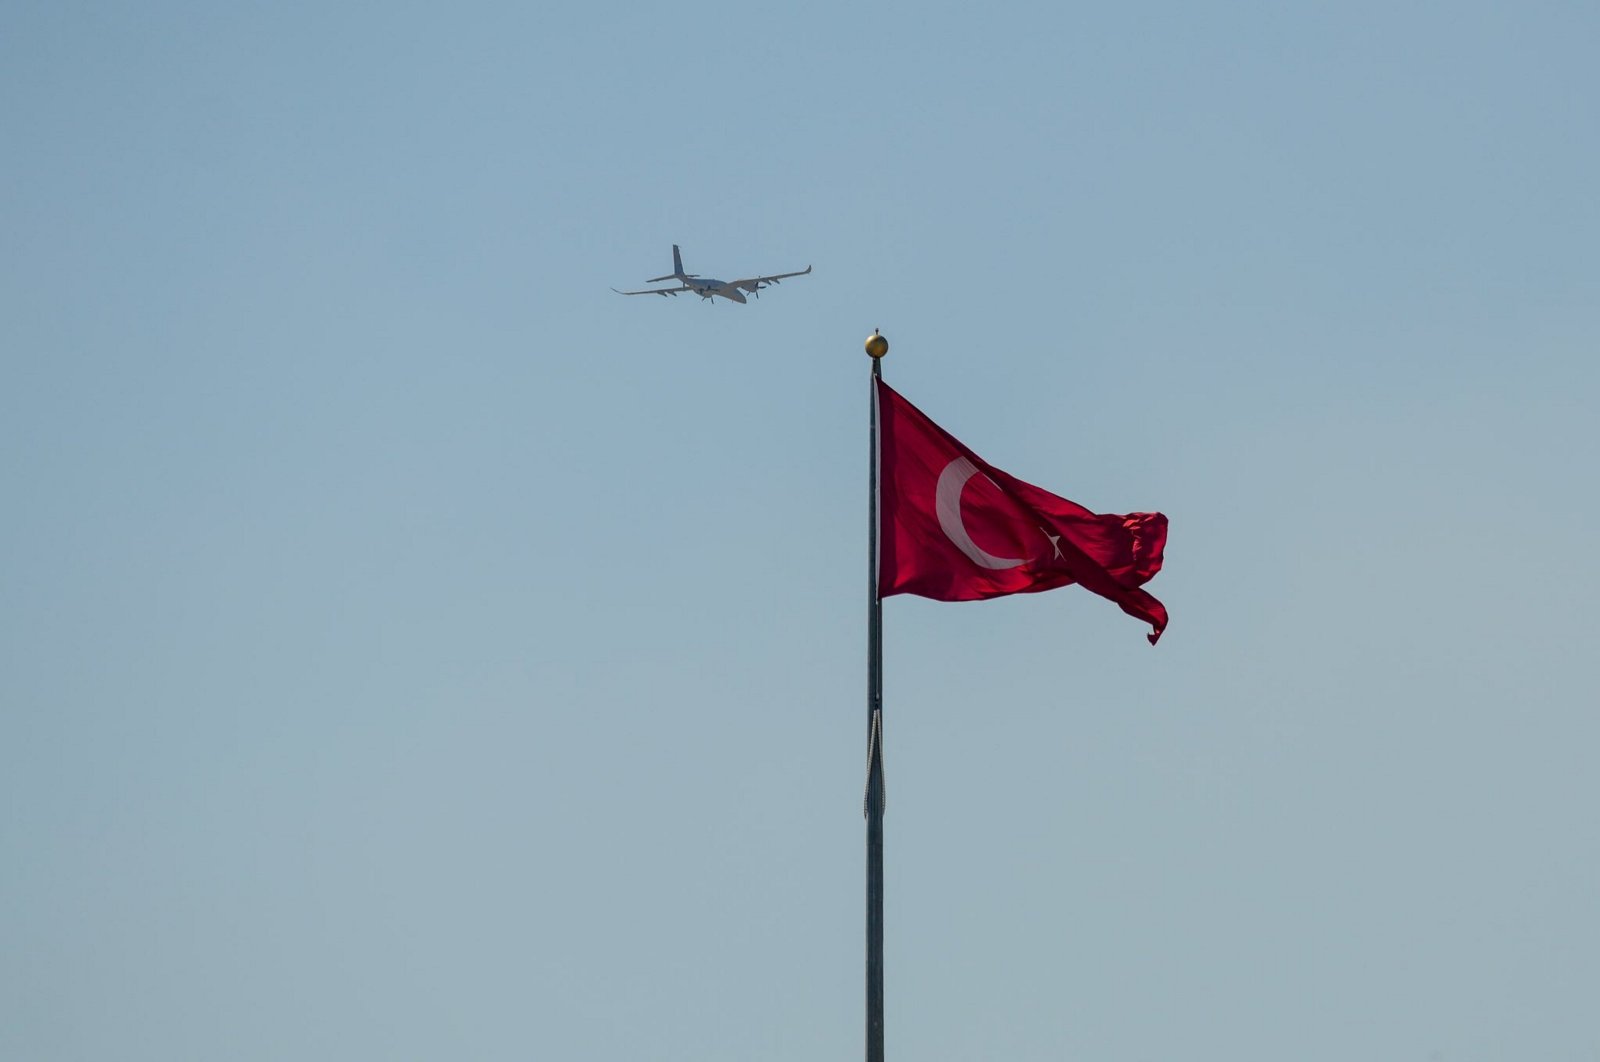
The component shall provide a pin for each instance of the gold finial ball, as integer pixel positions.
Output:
(877, 346)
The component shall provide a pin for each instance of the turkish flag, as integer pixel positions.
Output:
(955, 528)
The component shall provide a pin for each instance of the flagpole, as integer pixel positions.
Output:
(877, 346)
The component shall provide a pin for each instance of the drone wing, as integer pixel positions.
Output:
(757, 283)
(655, 291)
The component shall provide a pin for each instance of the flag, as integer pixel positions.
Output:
(955, 528)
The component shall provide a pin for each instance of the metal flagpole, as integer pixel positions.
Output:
(877, 347)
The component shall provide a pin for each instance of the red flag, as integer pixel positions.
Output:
(955, 528)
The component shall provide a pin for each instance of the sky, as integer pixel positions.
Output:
(410, 649)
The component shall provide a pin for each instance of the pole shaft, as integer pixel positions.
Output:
(875, 792)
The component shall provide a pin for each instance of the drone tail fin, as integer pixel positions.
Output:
(677, 268)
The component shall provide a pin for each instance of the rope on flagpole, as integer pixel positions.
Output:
(875, 762)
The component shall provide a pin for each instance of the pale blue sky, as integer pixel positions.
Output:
(411, 650)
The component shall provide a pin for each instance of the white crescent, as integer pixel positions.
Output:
(947, 502)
